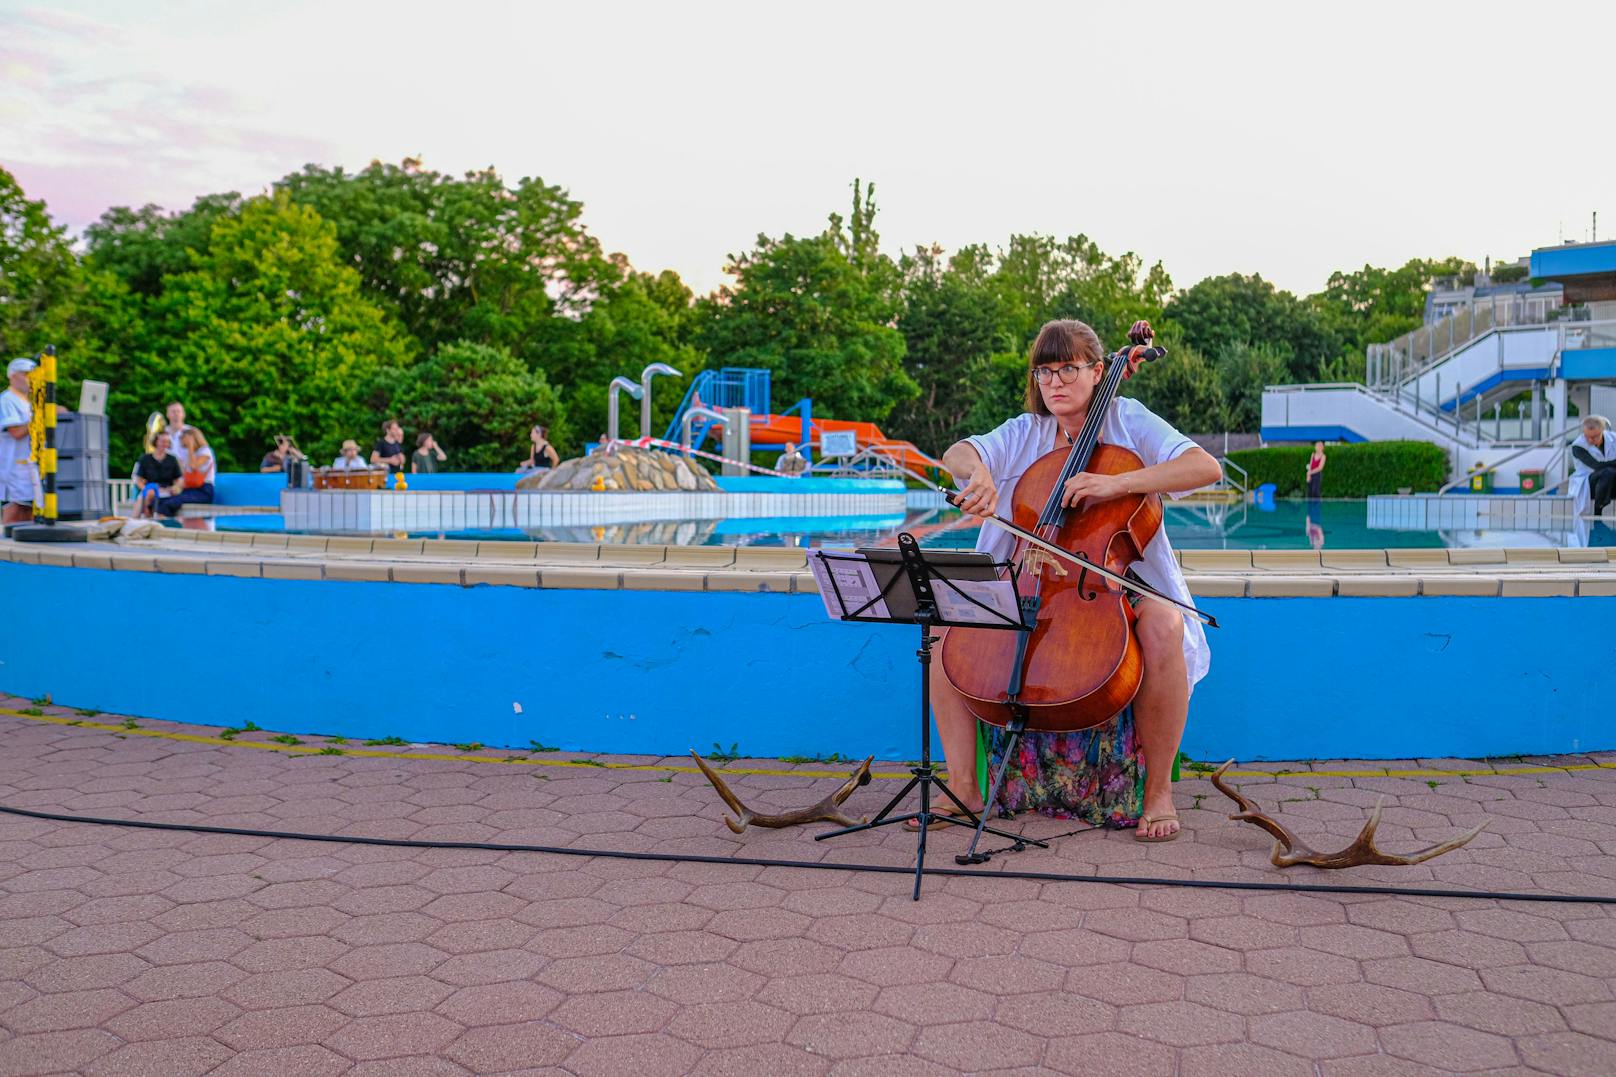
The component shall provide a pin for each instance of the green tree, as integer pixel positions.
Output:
(1183, 389)
(1220, 312)
(1374, 305)
(1243, 370)
(464, 258)
(478, 402)
(143, 247)
(818, 312)
(40, 282)
(953, 323)
(268, 332)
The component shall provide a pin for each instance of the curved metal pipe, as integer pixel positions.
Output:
(618, 385)
(691, 414)
(644, 395)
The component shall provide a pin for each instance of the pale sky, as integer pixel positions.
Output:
(1289, 139)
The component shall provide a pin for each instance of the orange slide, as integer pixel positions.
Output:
(778, 429)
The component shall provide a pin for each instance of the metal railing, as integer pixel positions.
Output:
(1440, 423)
(1391, 364)
(1564, 436)
(1240, 485)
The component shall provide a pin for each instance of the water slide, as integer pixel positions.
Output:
(779, 429)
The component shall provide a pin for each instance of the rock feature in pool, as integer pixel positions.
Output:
(628, 469)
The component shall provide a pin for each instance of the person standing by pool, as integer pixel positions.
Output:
(1593, 473)
(388, 451)
(19, 478)
(427, 455)
(541, 453)
(792, 462)
(1315, 472)
(1065, 365)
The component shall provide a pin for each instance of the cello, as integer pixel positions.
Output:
(1081, 663)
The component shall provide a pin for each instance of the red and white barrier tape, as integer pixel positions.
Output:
(649, 442)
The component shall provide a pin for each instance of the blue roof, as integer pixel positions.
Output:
(1573, 260)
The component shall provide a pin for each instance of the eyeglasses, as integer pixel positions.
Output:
(1068, 372)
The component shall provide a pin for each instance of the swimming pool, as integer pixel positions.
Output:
(1288, 525)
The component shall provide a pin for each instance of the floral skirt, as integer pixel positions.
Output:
(1092, 775)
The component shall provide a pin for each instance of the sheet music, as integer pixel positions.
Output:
(853, 580)
(997, 595)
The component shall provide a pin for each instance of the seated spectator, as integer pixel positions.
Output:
(277, 458)
(1593, 466)
(157, 474)
(541, 453)
(792, 462)
(349, 459)
(388, 451)
(427, 455)
(197, 475)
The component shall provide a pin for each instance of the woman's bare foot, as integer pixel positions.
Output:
(1158, 820)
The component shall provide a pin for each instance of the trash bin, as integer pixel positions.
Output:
(1481, 482)
(1263, 496)
(1531, 480)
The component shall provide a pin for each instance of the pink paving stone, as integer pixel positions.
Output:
(641, 1055)
(1595, 1018)
(1350, 940)
(731, 1024)
(488, 905)
(419, 1066)
(860, 932)
(689, 984)
(749, 925)
(393, 1035)
(977, 1045)
(1072, 947)
(567, 912)
(1137, 925)
(895, 965)
(1246, 1059)
(303, 1061)
(1242, 932)
(1125, 984)
(786, 957)
(171, 1019)
(614, 972)
(1010, 975)
(851, 1035)
(1180, 1024)
(1570, 1053)
(286, 1027)
(283, 955)
(112, 910)
(932, 1003)
(476, 936)
(662, 917)
(299, 987)
(188, 1057)
(1467, 949)
(184, 981)
(1447, 1046)
(1505, 1016)
(1297, 910)
(1370, 1004)
(66, 1010)
(774, 1059)
(1588, 958)
(86, 973)
(387, 960)
(1312, 1035)
(586, 939)
(1307, 969)
(178, 948)
(496, 1004)
(490, 966)
(613, 1013)
(1044, 1014)
(1114, 1052)
(497, 1048)
(1186, 957)
(1243, 993)
(1554, 986)
(384, 899)
(1401, 916)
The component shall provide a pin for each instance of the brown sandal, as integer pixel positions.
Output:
(1147, 820)
(948, 814)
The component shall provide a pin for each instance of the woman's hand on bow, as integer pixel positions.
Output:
(979, 496)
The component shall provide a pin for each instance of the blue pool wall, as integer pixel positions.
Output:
(245, 489)
(650, 672)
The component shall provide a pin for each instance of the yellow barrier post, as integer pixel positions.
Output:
(42, 443)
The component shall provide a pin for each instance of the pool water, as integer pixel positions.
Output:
(1288, 525)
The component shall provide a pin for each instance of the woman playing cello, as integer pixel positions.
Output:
(1065, 365)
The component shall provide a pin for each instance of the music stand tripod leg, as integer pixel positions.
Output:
(1016, 728)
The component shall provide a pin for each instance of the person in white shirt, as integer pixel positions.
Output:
(198, 472)
(1593, 467)
(1065, 365)
(176, 431)
(19, 478)
(349, 459)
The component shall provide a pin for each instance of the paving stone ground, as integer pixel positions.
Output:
(126, 951)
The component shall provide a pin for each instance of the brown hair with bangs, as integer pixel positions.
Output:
(1059, 342)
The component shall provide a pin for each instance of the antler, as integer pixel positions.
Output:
(1290, 850)
(825, 811)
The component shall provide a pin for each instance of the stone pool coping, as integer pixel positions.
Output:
(1503, 572)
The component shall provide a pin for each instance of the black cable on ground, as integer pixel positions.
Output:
(821, 865)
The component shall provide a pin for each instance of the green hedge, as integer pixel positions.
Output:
(1378, 467)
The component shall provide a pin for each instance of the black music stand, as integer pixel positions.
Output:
(915, 601)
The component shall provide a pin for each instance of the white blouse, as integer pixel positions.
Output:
(1018, 443)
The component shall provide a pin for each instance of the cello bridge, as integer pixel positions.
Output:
(1033, 560)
